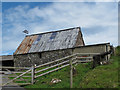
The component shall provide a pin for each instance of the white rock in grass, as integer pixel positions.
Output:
(55, 80)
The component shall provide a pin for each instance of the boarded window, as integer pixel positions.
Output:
(53, 35)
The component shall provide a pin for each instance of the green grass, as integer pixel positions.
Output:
(104, 76)
(64, 75)
(117, 51)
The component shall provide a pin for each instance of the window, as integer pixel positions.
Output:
(53, 35)
(40, 55)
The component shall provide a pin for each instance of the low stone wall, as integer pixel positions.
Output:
(90, 49)
(27, 60)
(98, 48)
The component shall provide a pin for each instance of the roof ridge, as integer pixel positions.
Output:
(54, 31)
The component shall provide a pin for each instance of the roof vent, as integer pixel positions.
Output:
(25, 31)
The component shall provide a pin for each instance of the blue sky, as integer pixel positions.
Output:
(98, 21)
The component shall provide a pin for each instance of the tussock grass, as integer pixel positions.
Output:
(64, 76)
(104, 76)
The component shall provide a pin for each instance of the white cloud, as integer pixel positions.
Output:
(108, 35)
(59, 16)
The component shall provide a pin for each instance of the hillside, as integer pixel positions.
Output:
(104, 76)
(64, 76)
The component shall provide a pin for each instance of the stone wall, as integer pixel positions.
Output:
(90, 49)
(27, 60)
(98, 48)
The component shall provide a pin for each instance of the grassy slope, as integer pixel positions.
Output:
(104, 76)
(63, 74)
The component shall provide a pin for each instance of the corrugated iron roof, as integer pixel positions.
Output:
(61, 39)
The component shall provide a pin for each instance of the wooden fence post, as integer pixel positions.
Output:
(71, 74)
(32, 74)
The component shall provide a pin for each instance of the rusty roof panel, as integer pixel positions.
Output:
(25, 45)
(49, 41)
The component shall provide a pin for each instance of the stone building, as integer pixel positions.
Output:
(6, 60)
(44, 47)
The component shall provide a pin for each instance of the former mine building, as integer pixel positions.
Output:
(44, 47)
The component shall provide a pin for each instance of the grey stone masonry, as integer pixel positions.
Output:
(27, 60)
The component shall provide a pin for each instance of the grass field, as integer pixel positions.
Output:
(64, 76)
(103, 76)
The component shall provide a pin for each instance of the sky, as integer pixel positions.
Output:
(98, 21)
